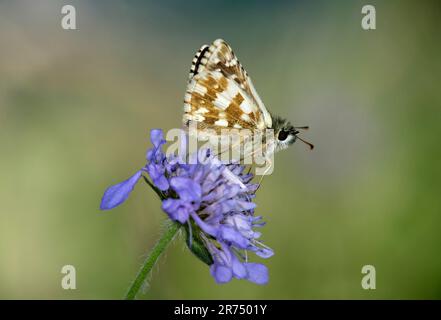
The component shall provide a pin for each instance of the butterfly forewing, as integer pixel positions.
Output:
(220, 94)
(217, 101)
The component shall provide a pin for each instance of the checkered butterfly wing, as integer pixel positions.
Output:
(220, 94)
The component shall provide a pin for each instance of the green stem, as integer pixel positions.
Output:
(152, 258)
(158, 192)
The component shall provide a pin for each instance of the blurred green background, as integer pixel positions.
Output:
(76, 108)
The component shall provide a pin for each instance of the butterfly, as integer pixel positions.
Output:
(220, 95)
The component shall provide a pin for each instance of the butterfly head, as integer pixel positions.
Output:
(286, 134)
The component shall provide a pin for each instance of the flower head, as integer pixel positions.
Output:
(213, 201)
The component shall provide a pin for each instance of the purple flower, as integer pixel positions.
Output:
(214, 203)
(117, 194)
(189, 193)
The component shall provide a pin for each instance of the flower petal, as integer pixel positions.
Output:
(156, 172)
(187, 189)
(239, 270)
(230, 234)
(161, 182)
(264, 252)
(257, 273)
(209, 229)
(221, 273)
(118, 193)
(177, 209)
(157, 137)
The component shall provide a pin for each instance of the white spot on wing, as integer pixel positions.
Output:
(222, 102)
(201, 110)
(200, 89)
(246, 107)
(232, 90)
(221, 123)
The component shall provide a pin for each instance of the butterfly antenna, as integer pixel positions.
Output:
(310, 145)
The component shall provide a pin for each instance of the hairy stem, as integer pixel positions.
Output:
(165, 239)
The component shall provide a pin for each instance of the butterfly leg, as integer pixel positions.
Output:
(270, 163)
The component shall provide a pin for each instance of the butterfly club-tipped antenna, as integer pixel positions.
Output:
(309, 144)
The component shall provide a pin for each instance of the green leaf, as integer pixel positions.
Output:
(196, 244)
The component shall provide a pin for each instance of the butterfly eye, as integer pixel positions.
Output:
(282, 135)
